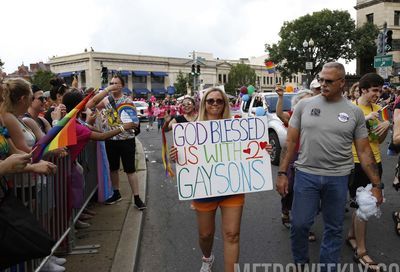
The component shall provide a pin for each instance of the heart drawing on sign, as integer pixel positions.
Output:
(263, 145)
(247, 150)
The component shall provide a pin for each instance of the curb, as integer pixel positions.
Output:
(126, 254)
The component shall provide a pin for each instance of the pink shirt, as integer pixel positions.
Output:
(83, 136)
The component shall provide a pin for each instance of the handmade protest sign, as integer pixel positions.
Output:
(127, 113)
(222, 157)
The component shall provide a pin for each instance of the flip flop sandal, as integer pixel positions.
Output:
(396, 219)
(359, 258)
(312, 237)
(286, 220)
(348, 242)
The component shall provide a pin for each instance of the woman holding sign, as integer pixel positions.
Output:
(214, 106)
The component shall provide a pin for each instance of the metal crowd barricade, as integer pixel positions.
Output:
(48, 198)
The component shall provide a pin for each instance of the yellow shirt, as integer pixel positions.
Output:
(373, 143)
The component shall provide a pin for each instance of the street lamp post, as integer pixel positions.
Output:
(308, 48)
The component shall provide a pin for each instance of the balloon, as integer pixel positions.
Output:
(243, 90)
(241, 94)
(245, 97)
(250, 89)
(260, 111)
(289, 89)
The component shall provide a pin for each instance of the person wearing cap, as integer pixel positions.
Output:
(315, 87)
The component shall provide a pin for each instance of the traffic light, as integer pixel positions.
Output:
(104, 75)
(380, 43)
(198, 69)
(388, 40)
(193, 69)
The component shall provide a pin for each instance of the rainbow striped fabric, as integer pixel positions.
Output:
(61, 135)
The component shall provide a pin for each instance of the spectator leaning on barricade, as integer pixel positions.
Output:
(371, 87)
(58, 89)
(326, 126)
(122, 146)
(38, 124)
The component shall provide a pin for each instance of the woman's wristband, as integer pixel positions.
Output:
(121, 128)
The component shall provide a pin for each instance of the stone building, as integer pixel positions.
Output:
(154, 74)
(379, 12)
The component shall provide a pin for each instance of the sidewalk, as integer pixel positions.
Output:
(116, 228)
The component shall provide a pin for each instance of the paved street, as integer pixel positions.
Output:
(169, 235)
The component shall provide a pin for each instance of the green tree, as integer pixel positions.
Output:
(1, 65)
(42, 79)
(332, 32)
(182, 81)
(240, 75)
(365, 47)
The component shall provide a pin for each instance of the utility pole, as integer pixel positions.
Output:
(194, 76)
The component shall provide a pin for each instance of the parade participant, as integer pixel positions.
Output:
(396, 141)
(315, 87)
(189, 114)
(214, 106)
(160, 113)
(371, 88)
(287, 200)
(326, 125)
(150, 115)
(121, 146)
(354, 92)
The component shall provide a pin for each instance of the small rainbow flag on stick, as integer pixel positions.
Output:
(384, 113)
(270, 67)
(61, 135)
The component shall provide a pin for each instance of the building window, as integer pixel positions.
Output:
(219, 78)
(224, 79)
(396, 17)
(370, 18)
(263, 80)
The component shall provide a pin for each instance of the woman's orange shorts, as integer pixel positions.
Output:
(231, 201)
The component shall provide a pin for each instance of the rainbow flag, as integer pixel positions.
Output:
(270, 67)
(164, 155)
(61, 135)
(384, 114)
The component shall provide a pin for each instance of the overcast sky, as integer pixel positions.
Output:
(33, 31)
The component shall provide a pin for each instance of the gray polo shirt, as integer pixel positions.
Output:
(327, 130)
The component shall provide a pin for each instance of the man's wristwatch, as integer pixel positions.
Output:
(282, 173)
(378, 185)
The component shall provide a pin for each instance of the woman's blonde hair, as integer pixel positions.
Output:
(12, 90)
(202, 111)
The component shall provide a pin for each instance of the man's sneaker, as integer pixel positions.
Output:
(207, 263)
(140, 205)
(114, 199)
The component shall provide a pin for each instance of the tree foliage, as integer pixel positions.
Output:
(182, 82)
(42, 79)
(1, 65)
(240, 75)
(332, 32)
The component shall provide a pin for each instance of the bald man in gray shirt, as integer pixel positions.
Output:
(326, 125)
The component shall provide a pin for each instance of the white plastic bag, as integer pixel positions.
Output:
(366, 203)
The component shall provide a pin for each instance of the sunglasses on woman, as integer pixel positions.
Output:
(212, 101)
(41, 98)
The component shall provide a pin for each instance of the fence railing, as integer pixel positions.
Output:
(57, 201)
